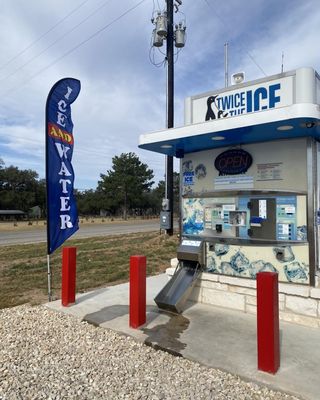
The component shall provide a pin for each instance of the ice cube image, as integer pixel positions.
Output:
(190, 202)
(187, 166)
(201, 171)
(191, 226)
(284, 254)
(187, 190)
(239, 262)
(211, 265)
(193, 216)
(260, 266)
(221, 249)
(193, 222)
(227, 269)
(296, 272)
(302, 232)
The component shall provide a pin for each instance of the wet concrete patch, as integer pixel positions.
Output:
(166, 336)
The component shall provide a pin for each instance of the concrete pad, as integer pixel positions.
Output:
(213, 336)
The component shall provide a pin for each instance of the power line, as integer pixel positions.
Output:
(75, 47)
(224, 24)
(42, 35)
(56, 41)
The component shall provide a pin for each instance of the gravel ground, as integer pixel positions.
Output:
(47, 355)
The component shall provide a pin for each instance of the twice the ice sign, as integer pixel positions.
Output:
(243, 101)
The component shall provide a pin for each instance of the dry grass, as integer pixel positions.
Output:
(101, 261)
(7, 226)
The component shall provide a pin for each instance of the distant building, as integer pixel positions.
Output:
(104, 213)
(35, 212)
(12, 215)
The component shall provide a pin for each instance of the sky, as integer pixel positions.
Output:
(106, 44)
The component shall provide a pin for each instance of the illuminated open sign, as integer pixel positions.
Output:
(233, 162)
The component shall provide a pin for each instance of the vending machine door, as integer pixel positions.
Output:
(263, 218)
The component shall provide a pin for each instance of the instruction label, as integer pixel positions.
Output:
(270, 171)
(233, 182)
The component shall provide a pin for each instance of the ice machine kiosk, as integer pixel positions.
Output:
(249, 175)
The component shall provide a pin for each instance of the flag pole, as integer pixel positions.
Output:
(47, 196)
(49, 278)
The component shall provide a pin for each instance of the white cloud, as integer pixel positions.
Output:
(122, 94)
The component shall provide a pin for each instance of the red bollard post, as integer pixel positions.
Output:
(268, 322)
(68, 285)
(137, 307)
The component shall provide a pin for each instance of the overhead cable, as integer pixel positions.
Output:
(224, 24)
(56, 41)
(76, 47)
(43, 35)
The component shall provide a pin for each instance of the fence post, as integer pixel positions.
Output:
(268, 322)
(68, 285)
(137, 307)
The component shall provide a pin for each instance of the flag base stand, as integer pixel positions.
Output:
(49, 279)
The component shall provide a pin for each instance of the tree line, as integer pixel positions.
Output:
(126, 189)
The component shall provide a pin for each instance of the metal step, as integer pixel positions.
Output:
(176, 292)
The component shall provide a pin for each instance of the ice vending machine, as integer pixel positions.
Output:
(249, 175)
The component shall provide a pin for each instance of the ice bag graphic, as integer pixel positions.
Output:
(296, 272)
(221, 249)
(227, 269)
(284, 254)
(211, 265)
(302, 232)
(260, 266)
(239, 262)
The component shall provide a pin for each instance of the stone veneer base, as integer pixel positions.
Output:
(298, 304)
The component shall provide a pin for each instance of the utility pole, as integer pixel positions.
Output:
(175, 36)
(170, 109)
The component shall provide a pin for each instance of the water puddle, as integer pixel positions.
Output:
(166, 336)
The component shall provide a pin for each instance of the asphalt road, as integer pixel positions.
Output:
(39, 234)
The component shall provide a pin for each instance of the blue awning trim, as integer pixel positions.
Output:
(301, 127)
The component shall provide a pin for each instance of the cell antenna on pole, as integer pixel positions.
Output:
(282, 58)
(226, 77)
